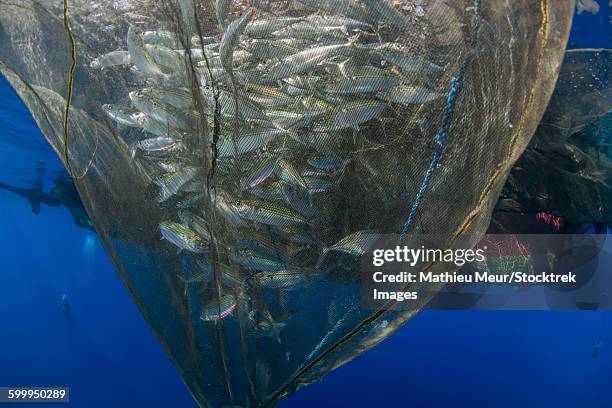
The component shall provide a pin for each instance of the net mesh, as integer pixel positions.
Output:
(263, 141)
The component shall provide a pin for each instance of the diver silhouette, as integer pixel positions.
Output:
(64, 306)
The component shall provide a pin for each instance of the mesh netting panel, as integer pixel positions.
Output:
(236, 157)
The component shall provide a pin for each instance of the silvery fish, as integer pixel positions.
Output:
(256, 261)
(355, 244)
(157, 111)
(182, 237)
(352, 114)
(170, 167)
(267, 95)
(160, 37)
(264, 243)
(111, 59)
(139, 55)
(388, 13)
(230, 38)
(221, 200)
(265, 50)
(337, 22)
(160, 129)
(169, 58)
(267, 213)
(159, 144)
(329, 162)
(310, 32)
(248, 141)
(196, 223)
(180, 98)
(218, 309)
(395, 54)
(259, 172)
(317, 185)
(263, 28)
(124, 116)
(203, 277)
(361, 85)
(285, 279)
(305, 60)
(407, 95)
(348, 8)
(169, 184)
(290, 174)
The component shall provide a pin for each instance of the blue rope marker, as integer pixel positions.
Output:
(457, 84)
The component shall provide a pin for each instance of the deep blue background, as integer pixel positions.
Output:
(473, 359)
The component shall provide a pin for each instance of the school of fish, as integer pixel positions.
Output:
(282, 100)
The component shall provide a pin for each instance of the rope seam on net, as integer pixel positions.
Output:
(69, 86)
(441, 137)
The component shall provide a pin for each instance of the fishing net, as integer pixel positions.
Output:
(236, 156)
(564, 175)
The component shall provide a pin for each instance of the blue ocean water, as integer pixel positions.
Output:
(438, 359)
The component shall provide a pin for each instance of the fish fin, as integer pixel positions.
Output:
(132, 151)
(35, 205)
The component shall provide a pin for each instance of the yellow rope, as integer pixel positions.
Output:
(512, 145)
(70, 83)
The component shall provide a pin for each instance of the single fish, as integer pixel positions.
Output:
(263, 28)
(160, 129)
(351, 114)
(394, 53)
(408, 95)
(157, 111)
(265, 50)
(267, 95)
(248, 141)
(329, 163)
(348, 8)
(387, 12)
(256, 261)
(124, 116)
(218, 309)
(267, 213)
(290, 174)
(221, 200)
(288, 279)
(169, 166)
(306, 60)
(111, 59)
(196, 223)
(204, 277)
(230, 39)
(182, 237)
(309, 32)
(160, 37)
(361, 85)
(139, 55)
(179, 98)
(355, 244)
(169, 184)
(259, 172)
(160, 144)
(170, 59)
(317, 185)
(344, 24)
